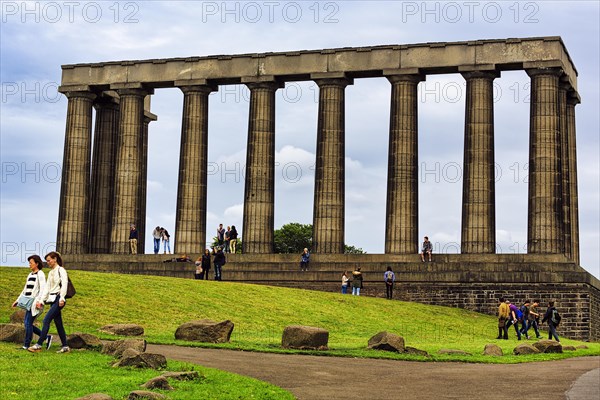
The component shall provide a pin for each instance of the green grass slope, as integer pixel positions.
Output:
(260, 313)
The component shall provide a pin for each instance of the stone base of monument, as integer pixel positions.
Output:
(470, 281)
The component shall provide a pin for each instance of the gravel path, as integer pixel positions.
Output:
(328, 378)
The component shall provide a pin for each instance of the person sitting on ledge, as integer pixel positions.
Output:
(181, 258)
(426, 249)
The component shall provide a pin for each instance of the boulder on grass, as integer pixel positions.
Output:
(569, 348)
(80, 340)
(160, 382)
(129, 352)
(206, 331)
(143, 360)
(454, 352)
(183, 376)
(95, 396)
(145, 395)
(525, 348)
(491, 349)
(123, 329)
(582, 347)
(18, 317)
(304, 338)
(417, 352)
(387, 342)
(12, 333)
(548, 346)
(117, 347)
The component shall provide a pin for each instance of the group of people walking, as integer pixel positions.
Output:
(38, 292)
(525, 317)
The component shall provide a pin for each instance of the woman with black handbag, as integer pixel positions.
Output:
(54, 294)
(34, 286)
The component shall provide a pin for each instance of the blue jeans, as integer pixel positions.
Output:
(30, 329)
(218, 272)
(167, 245)
(356, 291)
(156, 245)
(344, 289)
(54, 314)
(552, 331)
(516, 325)
(533, 322)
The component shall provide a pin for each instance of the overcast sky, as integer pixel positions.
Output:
(38, 37)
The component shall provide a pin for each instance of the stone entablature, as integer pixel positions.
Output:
(352, 62)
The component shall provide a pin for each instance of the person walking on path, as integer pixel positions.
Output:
(534, 317)
(389, 278)
(514, 318)
(503, 314)
(133, 239)
(426, 249)
(205, 264)
(553, 318)
(524, 322)
(34, 286)
(157, 235)
(218, 262)
(304, 260)
(357, 281)
(345, 282)
(54, 293)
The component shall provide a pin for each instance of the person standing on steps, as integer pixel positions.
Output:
(157, 235)
(389, 278)
(304, 260)
(133, 239)
(357, 281)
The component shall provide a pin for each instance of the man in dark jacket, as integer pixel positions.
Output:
(553, 319)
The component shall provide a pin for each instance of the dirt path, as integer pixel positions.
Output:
(313, 377)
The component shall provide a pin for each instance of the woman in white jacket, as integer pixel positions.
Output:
(34, 286)
(54, 293)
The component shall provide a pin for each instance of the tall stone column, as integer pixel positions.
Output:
(545, 222)
(563, 87)
(259, 192)
(328, 213)
(73, 214)
(478, 233)
(103, 173)
(128, 177)
(402, 207)
(190, 224)
(141, 228)
(572, 101)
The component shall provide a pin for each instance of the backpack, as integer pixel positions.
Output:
(389, 280)
(519, 315)
(555, 317)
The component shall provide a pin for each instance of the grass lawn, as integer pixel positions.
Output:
(260, 314)
(52, 376)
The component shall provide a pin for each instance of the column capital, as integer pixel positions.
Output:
(544, 71)
(199, 88)
(80, 94)
(269, 85)
(104, 100)
(480, 74)
(412, 78)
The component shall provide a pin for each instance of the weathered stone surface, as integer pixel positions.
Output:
(183, 376)
(418, 352)
(143, 360)
(454, 352)
(387, 342)
(548, 346)
(160, 382)
(581, 346)
(129, 352)
(18, 317)
(95, 396)
(117, 347)
(80, 340)
(205, 330)
(525, 348)
(304, 338)
(123, 329)
(143, 394)
(491, 349)
(12, 333)
(569, 348)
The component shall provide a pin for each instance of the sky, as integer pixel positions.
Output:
(36, 38)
